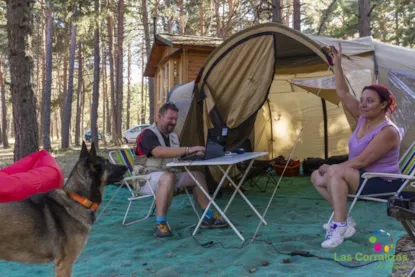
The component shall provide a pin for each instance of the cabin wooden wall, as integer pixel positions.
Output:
(188, 65)
(196, 60)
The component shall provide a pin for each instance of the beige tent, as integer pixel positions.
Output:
(266, 82)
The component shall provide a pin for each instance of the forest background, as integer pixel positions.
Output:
(76, 65)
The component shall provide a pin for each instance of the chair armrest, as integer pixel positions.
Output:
(369, 175)
(144, 177)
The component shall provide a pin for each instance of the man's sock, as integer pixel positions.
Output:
(209, 214)
(161, 219)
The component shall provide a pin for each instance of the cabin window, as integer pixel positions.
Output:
(176, 73)
(165, 81)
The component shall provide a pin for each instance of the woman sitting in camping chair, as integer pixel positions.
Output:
(373, 146)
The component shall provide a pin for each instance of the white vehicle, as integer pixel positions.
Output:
(130, 136)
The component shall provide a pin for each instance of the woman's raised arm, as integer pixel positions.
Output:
(348, 100)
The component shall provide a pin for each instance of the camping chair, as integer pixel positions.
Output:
(126, 157)
(259, 170)
(407, 166)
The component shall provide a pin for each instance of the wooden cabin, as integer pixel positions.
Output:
(176, 59)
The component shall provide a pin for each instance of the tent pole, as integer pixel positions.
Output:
(272, 131)
(326, 139)
(375, 60)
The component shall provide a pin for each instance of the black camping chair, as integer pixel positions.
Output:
(259, 169)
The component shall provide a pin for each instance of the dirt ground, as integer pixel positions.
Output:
(65, 158)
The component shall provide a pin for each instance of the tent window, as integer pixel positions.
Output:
(402, 85)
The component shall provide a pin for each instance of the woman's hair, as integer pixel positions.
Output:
(385, 95)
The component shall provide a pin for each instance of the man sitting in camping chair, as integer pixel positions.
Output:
(373, 147)
(159, 145)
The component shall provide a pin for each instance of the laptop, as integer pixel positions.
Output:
(215, 146)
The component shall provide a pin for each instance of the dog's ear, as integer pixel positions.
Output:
(84, 151)
(93, 153)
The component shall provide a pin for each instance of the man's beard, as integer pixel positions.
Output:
(168, 129)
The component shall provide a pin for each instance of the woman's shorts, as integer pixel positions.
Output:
(378, 185)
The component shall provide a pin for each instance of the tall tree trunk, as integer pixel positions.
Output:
(182, 24)
(112, 67)
(66, 126)
(60, 93)
(46, 98)
(83, 109)
(89, 99)
(287, 14)
(120, 66)
(108, 109)
(3, 108)
(78, 95)
(95, 91)
(364, 18)
(148, 47)
(58, 131)
(39, 59)
(105, 90)
(202, 21)
(228, 25)
(276, 11)
(146, 97)
(397, 34)
(142, 109)
(103, 114)
(128, 86)
(104, 101)
(218, 29)
(19, 32)
(65, 85)
(11, 126)
(55, 133)
(41, 92)
(297, 15)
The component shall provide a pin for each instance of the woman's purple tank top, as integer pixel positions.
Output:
(389, 163)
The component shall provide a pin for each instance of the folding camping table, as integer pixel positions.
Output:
(229, 161)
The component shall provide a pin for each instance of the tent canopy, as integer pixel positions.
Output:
(266, 82)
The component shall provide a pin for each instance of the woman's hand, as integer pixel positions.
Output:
(336, 55)
(323, 169)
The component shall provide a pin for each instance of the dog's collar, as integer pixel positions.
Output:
(84, 201)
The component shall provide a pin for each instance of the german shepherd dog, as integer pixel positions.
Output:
(55, 226)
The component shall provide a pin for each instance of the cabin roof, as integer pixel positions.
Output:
(162, 41)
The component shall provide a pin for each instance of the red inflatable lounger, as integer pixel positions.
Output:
(36, 173)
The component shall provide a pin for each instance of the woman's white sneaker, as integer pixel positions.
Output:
(349, 232)
(335, 236)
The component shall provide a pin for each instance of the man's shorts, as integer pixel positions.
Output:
(378, 185)
(154, 179)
